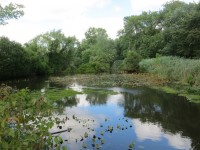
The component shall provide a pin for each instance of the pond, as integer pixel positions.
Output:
(124, 118)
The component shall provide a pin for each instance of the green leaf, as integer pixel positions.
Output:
(5, 145)
(64, 148)
(11, 132)
(56, 140)
(3, 123)
(84, 145)
(86, 135)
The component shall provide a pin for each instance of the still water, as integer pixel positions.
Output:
(150, 119)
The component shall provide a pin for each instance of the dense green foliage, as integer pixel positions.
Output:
(51, 52)
(172, 31)
(14, 61)
(26, 117)
(97, 52)
(130, 63)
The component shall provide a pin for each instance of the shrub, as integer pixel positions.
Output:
(25, 121)
(131, 62)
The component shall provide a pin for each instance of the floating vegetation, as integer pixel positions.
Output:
(55, 93)
(93, 139)
(118, 126)
(102, 141)
(86, 135)
(130, 80)
(191, 94)
(111, 80)
(192, 98)
(98, 146)
(84, 145)
(102, 133)
(131, 145)
(110, 129)
(99, 91)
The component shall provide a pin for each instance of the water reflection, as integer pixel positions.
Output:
(78, 121)
(173, 113)
(152, 119)
(154, 132)
(145, 131)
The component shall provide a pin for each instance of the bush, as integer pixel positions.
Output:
(93, 67)
(25, 121)
(131, 62)
(117, 66)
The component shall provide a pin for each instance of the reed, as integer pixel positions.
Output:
(185, 71)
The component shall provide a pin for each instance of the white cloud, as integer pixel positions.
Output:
(117, 9)
(152, 5)
(69, 16)
(145, 5)
(102, 3)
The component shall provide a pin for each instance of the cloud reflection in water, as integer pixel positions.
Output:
(154, 132)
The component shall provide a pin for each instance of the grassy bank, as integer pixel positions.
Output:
(170, 74)
(183, 74)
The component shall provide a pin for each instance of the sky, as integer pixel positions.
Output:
(73, 17)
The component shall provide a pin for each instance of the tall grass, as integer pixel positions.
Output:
(186, 71)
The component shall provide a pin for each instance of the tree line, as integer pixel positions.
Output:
(172, 31)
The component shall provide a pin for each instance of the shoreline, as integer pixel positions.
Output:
(132, 80)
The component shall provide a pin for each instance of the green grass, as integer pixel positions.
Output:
(185, 71)
(192, 98)
(167, 89)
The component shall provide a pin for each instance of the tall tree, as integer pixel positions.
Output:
(13, 59)
(98, 52)
(54, 51)
(142, 33)
(174, 30)
(10, 11)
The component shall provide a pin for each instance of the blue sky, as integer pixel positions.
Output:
(74, 17)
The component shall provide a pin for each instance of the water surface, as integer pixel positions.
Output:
(149, 118)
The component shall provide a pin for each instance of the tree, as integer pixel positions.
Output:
(98, 52)
(142, 33)
(10, 11)
(174, 30)
(175, 34)
(53, 50)
(13, 59)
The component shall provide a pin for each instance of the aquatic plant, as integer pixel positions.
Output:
(131, 145)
